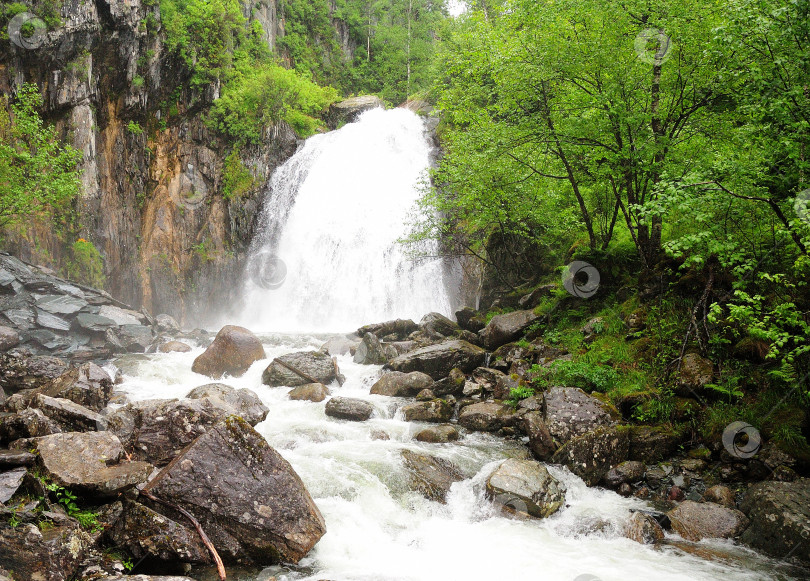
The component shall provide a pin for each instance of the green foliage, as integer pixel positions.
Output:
(67, 500)
(85, 264)
(134, 128)
(237, 179)
(38, 175)
(584, 375)
(516, 394)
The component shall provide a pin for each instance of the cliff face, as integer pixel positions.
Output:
(153, 172)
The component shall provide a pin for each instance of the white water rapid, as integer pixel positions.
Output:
(333, 215)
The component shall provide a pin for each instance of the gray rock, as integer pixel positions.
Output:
(131, 338)
(93, 323)
(525, 487)
(348, 110)
(316, 365)
(232, 353)
(347, 408)
(533, 299)
(248, 499)
(438, 324)
(505, 328)
(571, 412)
(397, 384)
(86, 462)
(590, 456)
(51, 555)
(702, 520)
(438, 434)
(87, 385)
(436, 410)
(401, 328)
(626, 472)
(780, 518)
(51, 321)
(541, 442)
(341, 345)
(486, 417)
(644, 529)
(243, 401)
(695, 373)
(122, 316)
(8, 338)
(70, 416)
(370, 351)
(166, 324)
(10, 482)
(470, 320)
(28, 423)
(60, 304)
(651, 444)
(142, 532)
(721, 495)
(20, 370)
(15, 458)
(314, 392)
(438, 360)
(430, 476)
(454, 384)
(174, 347)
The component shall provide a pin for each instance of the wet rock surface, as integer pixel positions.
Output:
(294, 369)
(435, 410)
(486, 417)
(526, 487)
(314, 392)
(232, 353)
(429, 475)
(700, 520)
(347, 408)
(438, 360)
(591, 455)
(397, 384)
(244, 402)
(505, 328)
(571, 412)
(780, 518)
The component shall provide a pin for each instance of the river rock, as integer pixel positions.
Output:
(93, 324)
(627, 472)
(314, 392)
(525, 487)
(29, 423)
(248, 499)
(15, 458)
(70, 416)
(592, 455)
(142, 532)
(130, 338)
(348, 408)
(438, 360)
(505, 328)
(348, 110)
(470, 320)
(701, 520)
(8, 338)
(400, 328)
(429, 475)
(341, 345)
(88, 385)
(541, 442)
(571, 412)
(397, 384)
(87, 462)
(436, 323)
(316, 365)
(157, 430)
(50, 555)
(167, 324)
(486, 417)
(436, 410)
(780, 518)
(10, 482)
(20, 370)
(174, 347)
(244, 402)
(370, 351)
(232, 353)
(695, 373)
(651, 444)
(454, 384)
(438, 434)
(644, 529)
(721, 495)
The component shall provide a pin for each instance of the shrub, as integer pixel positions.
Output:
(86, 265)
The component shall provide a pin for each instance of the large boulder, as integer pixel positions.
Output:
(130, 338)
(695, 373)
(157, 430)
(438, 360)
(314, 392)
(429, 475)
(243, 402)
(438, 324)
(525, 487)
(541, 442)
(70, 416)
(248, 499)
(371, 352)
(438, 434)
(650, 444)
(780, 518)
(590, 456)
(8, 338)
(232, 353)
(167, 324)
(20, 370)
(644, 529)
(397, 384)
(571, 412)
(174, 347)
(143, 533)
(399, 328)
(87, 385)
(349, 408)
(87, 462)
(348, 110)
(705, 520)
(52, 554)
(505, 328)
(486, 417)
(434, 410)
(470, 320)
(294, 369)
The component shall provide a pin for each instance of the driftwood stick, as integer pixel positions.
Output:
(297, 371)
(206, 541)
(338, 376)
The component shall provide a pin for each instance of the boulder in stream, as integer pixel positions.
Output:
(232, 353)
(780, 518)
(429, 475)
(525, 487)
(294, 369)
(486, 417)
(398, 384)
(435, 410)
(438, 360)
(592, 455)
(438, 434)
(244, 402)
(314, 392)
(706, 520)
(349, 408)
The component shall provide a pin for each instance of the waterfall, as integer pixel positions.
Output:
(326, 256)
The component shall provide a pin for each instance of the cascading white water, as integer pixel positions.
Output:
(333, 215)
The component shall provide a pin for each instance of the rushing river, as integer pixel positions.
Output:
(379, 530)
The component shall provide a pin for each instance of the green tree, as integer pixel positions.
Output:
(38, 175)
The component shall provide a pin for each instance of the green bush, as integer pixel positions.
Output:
(86, 265)
(237, 179)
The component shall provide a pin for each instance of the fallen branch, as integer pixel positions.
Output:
(297, 371)
(206, 541)
(340, 379)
